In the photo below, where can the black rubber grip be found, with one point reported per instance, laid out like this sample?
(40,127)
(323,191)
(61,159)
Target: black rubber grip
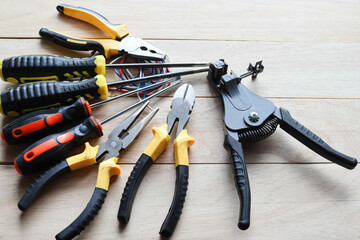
(35,125)
(87,215)
(241,180)
(56,147)
(31,68)
(315,143)
(39,95)
(173,216)
(41,182)
(132,185)
(70,42)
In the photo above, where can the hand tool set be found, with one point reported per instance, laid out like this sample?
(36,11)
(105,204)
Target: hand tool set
(54,99)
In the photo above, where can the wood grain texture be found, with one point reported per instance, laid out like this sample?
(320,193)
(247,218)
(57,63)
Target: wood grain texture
(320,21)
(288,202)
(311,52)
(300,70)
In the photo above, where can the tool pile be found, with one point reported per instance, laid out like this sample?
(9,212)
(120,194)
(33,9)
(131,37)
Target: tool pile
(54,99)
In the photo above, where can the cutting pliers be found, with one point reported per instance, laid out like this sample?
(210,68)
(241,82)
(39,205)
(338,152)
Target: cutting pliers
(119,139)
(122,43)
(249,117)
(181,106)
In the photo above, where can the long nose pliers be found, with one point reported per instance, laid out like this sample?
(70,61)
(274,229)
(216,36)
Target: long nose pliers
(118,140)
(181,106)
(121,43)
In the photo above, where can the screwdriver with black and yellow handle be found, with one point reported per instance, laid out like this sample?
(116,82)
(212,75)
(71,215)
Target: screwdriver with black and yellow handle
(34,125)
(41,95)
(55,147)
(32,68)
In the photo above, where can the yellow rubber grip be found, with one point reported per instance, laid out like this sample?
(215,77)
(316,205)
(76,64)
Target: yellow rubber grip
(114,31)
(84,159)
(181,144)
(100,65)
(107,169)
(159,142)
(103,89)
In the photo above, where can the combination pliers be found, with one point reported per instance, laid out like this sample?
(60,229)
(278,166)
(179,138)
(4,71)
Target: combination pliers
(118,140)
(181,106)
(249,117)
(122,42)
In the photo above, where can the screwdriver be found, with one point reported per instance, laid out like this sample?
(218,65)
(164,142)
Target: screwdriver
(51,149)
(34,125)
(41,95)
(30,68)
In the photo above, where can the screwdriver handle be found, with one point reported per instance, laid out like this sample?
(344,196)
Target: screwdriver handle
(40,95)
(34,125)
(32,68)
(53,148)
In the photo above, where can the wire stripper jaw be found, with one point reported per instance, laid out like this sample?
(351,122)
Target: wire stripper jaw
(181,107)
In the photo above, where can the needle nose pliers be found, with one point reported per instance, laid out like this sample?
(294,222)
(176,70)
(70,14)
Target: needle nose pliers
(249,117)
(118,140)
(121,43)
(181,106)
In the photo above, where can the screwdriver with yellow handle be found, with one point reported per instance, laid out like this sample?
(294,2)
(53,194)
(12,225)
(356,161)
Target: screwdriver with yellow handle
(52,148)
(34,125)
(33,68)
(181,107)
(41,95)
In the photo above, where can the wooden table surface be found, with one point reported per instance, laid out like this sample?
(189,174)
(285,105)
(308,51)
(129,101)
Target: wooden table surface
(311,53)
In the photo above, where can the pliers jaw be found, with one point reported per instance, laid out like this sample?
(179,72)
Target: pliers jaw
(137,47)
(181,107)
(121,137)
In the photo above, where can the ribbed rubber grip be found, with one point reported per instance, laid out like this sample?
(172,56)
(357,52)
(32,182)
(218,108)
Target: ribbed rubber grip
(41,182)
(56,147)
(132,185)
(312,141)
(70,42)
(35,125)
(39,95)
(241,180)
(173,216)
(85,218)
(31,68)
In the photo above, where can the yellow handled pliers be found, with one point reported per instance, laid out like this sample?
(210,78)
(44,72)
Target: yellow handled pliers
(122,44)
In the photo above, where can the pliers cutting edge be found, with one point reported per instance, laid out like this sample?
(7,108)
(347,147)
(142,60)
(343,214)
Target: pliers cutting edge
(119,139)
(122,43)
(181,106)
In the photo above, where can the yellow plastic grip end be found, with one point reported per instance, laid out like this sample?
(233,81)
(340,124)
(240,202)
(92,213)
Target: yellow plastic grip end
(1,73)
(103,89)
(181,144)
(84,159)
(159,142)
(107,169)
(100,65)
(111,47)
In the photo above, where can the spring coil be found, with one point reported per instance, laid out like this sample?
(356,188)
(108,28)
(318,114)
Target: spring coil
(260,133)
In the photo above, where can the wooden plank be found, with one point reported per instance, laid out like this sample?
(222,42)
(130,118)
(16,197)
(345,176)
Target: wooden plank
(293,70)
(333,120)
(320,21)
(289,201)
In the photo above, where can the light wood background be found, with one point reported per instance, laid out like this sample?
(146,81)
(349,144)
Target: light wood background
(311,53)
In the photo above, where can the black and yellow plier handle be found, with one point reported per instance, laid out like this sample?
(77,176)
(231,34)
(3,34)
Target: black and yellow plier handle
(121,43)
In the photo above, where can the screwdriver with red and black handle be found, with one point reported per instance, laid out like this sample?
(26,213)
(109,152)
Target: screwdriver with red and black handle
(41,95)
(31,68)
(34,125)
(55,147)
